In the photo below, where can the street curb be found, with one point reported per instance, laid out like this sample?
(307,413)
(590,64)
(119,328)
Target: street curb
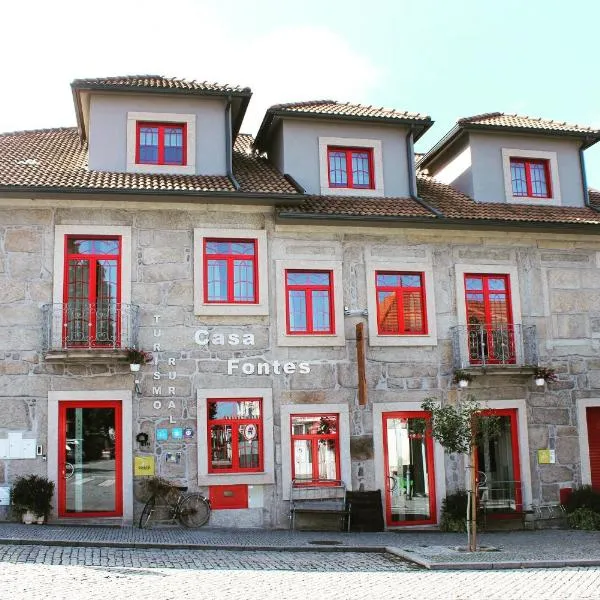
(495,566)
(184,546)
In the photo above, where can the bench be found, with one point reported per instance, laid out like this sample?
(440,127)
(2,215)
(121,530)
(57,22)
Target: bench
(322,497)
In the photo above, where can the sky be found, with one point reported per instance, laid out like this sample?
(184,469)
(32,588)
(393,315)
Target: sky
(445,58)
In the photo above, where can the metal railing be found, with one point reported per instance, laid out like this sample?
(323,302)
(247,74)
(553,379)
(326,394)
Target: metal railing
(483,344)
(501,496)
(84,326)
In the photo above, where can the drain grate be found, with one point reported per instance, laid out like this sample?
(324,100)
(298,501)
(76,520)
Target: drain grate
(325,543)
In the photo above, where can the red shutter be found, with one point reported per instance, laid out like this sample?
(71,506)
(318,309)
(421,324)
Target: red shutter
(593,423)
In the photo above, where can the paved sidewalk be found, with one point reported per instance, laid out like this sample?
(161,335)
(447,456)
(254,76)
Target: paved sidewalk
(430,549)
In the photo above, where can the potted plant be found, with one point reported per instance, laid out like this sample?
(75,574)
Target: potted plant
(462,378)
(543,375)
(31,497)
(137,357)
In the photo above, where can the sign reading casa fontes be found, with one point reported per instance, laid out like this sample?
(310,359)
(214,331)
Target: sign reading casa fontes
(237,366)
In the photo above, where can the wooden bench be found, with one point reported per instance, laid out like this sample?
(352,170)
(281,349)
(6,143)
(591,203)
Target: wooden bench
(322,497)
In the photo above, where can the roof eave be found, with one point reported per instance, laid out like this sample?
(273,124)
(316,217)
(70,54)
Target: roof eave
(439,222)
(146,195)
(420,126)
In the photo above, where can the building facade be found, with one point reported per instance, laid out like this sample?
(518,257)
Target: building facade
(244,266)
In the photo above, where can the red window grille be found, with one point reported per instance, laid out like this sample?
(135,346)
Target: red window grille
(161,144)
(315,447)
(230,271)
(490,331)
(530,178)
(92,292)
(400,303)
(350,168)
(235,435)
(309,302)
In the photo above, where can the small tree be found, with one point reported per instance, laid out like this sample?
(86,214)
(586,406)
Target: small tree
(458,427)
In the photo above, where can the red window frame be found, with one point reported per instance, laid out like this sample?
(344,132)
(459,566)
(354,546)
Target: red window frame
(399,294)
(63,406)
(161,142)
(315,438)
(235,424)
(92,318)
(348,152)
(308,289)
(528,163)
(488,332)
(230,258)
(512,414)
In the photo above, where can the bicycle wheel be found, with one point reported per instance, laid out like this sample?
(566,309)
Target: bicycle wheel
(194,510)
(147,513)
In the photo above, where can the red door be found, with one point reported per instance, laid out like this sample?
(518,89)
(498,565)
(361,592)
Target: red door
(593,424)
(490,330)
(408,468)
(90,482)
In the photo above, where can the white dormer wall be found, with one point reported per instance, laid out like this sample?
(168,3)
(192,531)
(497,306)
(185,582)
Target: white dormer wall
(489,164)
(480,167)
(299,147)
(112,119)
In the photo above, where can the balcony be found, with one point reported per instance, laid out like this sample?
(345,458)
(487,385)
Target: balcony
(492,346)
(93,332)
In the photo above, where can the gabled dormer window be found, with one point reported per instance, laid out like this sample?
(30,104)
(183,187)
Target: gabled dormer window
(530,178)
(161,144)
(350,167)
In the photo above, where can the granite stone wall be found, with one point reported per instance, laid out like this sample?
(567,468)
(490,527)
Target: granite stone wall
(559,293)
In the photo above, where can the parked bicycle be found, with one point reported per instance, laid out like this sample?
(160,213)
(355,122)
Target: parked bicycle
(190,509)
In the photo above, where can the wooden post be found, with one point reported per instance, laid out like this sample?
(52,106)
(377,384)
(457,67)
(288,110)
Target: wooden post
(360,359)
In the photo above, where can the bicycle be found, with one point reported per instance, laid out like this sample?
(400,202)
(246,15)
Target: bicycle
(191,510)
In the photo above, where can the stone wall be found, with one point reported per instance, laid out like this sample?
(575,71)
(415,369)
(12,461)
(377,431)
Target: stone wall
(559,293)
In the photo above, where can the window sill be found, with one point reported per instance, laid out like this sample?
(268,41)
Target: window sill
(358,192)
(402,340)
(87,355)
(236,478)
(534,201)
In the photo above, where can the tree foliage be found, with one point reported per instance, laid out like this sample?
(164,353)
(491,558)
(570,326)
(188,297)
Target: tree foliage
(459,426)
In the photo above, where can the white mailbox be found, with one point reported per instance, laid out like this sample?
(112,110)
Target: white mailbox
(4,495)
(16,446)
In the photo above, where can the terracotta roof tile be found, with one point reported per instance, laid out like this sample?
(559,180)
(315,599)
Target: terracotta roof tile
(55,158)
(498,119)
(358,207)
(156,82)
(456,205)
(450,204)
(331,107)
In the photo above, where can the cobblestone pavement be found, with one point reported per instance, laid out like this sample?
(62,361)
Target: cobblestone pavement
(53,572)
(516,548)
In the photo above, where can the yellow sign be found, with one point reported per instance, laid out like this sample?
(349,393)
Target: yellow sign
(143,466)
(546,456)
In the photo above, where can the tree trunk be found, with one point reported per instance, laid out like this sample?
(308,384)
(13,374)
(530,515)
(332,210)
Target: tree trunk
(473,492)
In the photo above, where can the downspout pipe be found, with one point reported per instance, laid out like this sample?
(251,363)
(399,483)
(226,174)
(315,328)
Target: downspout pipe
(412,175)
(586,191)
(229,146)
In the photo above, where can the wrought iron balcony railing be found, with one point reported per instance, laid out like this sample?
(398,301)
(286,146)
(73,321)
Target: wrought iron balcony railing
(84,326)
(484,344)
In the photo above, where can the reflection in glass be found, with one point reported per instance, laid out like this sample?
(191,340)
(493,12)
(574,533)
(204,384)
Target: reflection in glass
(409,497)
(90,460)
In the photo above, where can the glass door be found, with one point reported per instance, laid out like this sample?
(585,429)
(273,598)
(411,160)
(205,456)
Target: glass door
(498,464)
(409,475)
(89,465)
